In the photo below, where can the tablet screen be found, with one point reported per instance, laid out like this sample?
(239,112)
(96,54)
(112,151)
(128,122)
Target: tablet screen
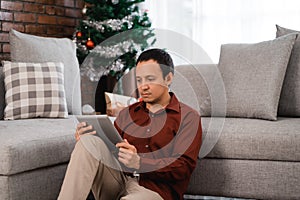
(104,128)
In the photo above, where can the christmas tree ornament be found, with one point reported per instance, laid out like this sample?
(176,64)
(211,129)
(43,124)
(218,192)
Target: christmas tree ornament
(78,34)
(117,50)
(82,47)
(115,1)
(113,24)
(84,9)
(102,29)
(89,44)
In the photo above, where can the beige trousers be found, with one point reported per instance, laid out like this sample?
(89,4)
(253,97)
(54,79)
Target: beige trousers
(92,167)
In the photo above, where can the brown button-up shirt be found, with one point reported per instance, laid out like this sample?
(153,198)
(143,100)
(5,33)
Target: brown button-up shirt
(168,143)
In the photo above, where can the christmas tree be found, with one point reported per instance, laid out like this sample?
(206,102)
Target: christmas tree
(110,35)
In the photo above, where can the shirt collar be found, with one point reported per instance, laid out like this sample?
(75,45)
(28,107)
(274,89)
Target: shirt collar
(173,105)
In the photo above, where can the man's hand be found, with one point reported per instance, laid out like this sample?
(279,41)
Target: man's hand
(128,155)
(82,128)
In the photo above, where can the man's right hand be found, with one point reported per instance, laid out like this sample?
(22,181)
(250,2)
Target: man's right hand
(82,128)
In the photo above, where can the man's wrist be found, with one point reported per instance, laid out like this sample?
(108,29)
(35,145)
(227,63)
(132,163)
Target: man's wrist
(138,165)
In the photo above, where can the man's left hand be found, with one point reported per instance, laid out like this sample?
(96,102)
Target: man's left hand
(128,155)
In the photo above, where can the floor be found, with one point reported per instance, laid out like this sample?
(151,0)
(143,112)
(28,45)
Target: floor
(192,197)
(198,197)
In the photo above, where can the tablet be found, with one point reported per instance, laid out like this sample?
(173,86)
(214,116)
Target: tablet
(104,129)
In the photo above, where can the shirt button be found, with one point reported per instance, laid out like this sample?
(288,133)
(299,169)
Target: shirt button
(148,130)
(147,146)
(152,115)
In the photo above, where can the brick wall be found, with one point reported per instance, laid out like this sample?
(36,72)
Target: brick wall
(53,18)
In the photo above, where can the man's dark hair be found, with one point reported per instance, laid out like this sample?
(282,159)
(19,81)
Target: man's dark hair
(161,57)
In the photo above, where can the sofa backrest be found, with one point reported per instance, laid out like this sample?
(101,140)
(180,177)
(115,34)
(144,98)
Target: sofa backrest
(35,49)
(2,93)
(191,83)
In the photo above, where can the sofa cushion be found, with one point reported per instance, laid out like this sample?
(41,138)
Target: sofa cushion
(35,143)
(34,90)
(200,86)
(44,183)
(289,103)
(2,93)
(246,179)
(255,139)
(253,75)
(29,48)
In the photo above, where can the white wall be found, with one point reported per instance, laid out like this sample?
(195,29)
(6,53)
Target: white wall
(210,23)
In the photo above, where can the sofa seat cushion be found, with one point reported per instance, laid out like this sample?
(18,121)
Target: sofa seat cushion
(34,143)
(256,139)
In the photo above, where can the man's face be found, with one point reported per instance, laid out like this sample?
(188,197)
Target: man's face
(152,86)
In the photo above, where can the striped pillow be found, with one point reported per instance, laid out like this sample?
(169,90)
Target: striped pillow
(34,90)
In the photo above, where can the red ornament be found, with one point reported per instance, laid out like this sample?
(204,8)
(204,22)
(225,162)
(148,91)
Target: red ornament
(89,44)
(79,34)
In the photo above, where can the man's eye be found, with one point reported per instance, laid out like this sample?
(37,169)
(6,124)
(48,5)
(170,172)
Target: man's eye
(151,79)
(138,80)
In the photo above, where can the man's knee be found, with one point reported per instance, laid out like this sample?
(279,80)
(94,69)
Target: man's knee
(98,149)
(93,144)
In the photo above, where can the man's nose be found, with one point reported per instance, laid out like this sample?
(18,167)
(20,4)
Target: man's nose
(144,86)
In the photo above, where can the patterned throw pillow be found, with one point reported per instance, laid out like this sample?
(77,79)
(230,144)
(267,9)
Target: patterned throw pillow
(34,90)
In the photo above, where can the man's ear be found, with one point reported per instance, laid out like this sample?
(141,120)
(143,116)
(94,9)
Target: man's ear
(169,79)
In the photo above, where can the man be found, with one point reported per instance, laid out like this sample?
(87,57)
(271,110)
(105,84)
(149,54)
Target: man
(162,139)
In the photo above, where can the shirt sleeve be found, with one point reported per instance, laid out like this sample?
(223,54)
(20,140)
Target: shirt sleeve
(184,153)
(119,121)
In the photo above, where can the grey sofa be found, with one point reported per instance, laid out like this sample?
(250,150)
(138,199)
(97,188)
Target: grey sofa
(252,158)
(250,153)
(240,156)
